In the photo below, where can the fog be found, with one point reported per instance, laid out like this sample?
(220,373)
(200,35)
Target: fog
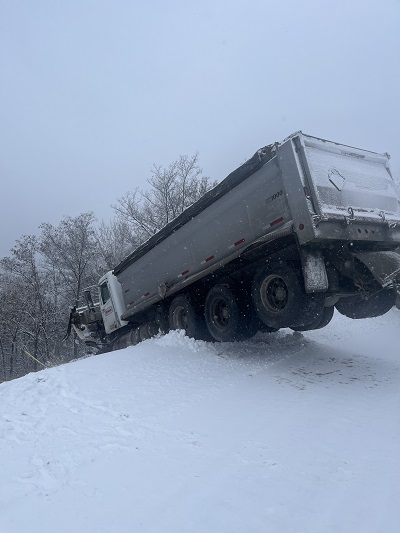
(93,92)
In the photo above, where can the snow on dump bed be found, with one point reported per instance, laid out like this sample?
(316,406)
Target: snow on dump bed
(350,177)
(287,432)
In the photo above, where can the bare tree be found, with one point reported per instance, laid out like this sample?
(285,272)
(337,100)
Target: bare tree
(173,189)
(11,322)
(71,249)
(39,281)
(26,291)
(115,241)
(72,260)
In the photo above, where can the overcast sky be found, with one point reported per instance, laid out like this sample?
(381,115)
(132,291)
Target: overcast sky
(92,93)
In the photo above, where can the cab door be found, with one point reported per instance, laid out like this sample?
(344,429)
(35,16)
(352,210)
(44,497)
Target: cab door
(107,309)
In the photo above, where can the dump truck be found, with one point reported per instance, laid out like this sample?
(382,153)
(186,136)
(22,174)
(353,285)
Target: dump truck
(303,227)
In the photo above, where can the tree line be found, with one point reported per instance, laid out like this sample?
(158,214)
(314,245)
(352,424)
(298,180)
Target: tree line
(46,273)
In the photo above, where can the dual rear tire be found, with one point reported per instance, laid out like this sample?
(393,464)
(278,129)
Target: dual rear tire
(375,305)
(229,314)
(320,322)
(184,313)
(280,299)
(277,299)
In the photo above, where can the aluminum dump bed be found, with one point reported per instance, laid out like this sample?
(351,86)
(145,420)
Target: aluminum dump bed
(315,189)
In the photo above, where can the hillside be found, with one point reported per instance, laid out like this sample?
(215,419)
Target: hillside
(287,432)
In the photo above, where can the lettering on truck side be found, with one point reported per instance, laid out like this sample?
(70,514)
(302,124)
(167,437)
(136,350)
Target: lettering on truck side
(274,197)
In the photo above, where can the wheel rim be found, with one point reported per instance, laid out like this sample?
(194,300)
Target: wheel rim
(274,293)
(180,318)
(220,313)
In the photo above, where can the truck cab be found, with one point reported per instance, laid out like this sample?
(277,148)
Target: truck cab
(111,303)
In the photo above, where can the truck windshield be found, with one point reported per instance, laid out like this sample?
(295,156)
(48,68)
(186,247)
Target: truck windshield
(105,293)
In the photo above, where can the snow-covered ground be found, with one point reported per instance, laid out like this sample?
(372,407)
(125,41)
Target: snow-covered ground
(285,433)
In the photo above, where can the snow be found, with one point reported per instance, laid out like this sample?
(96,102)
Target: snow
(287,432)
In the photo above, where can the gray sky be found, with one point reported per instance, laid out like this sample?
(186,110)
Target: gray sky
(92,92)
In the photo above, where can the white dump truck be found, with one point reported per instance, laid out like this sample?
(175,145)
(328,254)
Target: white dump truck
(304,226)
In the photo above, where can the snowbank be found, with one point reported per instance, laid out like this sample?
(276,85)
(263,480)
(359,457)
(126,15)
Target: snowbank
(283,433)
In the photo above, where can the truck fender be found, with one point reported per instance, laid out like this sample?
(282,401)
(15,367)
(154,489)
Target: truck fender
(384,266)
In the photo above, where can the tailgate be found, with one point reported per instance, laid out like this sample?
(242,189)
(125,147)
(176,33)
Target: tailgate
(347,181)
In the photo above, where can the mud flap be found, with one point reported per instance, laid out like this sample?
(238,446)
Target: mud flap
(384,266)
(314,271)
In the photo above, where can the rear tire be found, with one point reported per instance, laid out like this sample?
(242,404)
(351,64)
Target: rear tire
(375,305)
(162,318)
(320,322)
(229,314)
(267,329)
(280,299)
(183,314)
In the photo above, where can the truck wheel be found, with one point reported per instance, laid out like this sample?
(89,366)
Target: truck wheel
(280,299)
(320,322)
(222,314)
(250,322)
(377,304)
(162,318)
(183,314)
(267,329)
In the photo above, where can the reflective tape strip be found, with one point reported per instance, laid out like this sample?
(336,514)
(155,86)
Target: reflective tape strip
(207,260)
(236,243)
(276,221)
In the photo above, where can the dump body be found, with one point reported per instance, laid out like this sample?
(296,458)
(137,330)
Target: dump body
(317,190)
(304,227)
